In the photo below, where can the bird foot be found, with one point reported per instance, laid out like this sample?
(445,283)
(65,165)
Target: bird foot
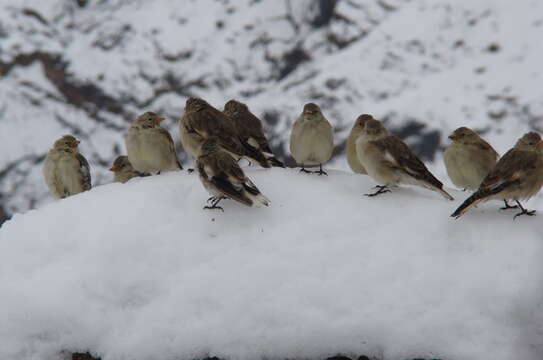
(306,171)
(213,198)
(190,171)
(213,207)
(507,206)
(525,212)
(320,172)
(381,189)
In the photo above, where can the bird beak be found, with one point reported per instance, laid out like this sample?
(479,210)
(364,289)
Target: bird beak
(452,137)
(113,168)
(160,119)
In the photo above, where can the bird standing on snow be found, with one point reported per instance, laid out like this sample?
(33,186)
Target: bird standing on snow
(65,170)
(123,170)
(517,176)
(223,178)
(202,121)
(390,162)
(149,146)
(356,131)
(249,129)
(312,139)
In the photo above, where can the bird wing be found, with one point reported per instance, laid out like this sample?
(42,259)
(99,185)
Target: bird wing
(171,144)
(225,164)
(84,170)
(510,169)
(401,157)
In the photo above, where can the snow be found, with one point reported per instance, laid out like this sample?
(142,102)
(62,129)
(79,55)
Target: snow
(140,271)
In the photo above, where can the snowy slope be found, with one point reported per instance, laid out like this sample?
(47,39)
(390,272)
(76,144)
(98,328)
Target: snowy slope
(140,271)
(424,66)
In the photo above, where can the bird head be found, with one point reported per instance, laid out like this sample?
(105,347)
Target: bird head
(120,163)
(148,120)
(209,146)
(195,104)
(464,135)
(360,122)
(374,129)
(311,111)
(67,142)
(233,107)
(530,142)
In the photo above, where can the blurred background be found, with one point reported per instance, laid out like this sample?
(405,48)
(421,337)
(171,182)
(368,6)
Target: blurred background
(425,67)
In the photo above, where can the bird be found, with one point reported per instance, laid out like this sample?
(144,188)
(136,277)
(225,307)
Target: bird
(222,177)
(250,130)
(65,170)
(468,159)
(149,146)
(202,121)
(352,157)
(123,170)
(312,139)
(517,176)
(390,162)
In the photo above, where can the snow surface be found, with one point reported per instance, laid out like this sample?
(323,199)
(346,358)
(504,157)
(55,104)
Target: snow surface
(140,271)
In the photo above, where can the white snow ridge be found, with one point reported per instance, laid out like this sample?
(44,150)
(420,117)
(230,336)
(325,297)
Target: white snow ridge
(141,271)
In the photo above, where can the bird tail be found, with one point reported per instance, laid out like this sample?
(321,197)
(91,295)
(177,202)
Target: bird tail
(478,197)
(255,155)
(274,162)
(252,192)
(428,181)
(445,194)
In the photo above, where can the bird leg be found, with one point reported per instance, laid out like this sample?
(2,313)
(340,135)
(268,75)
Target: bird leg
(524,211)
(507,206)
(381,189)
(214,201)
(321,171)
(305,171)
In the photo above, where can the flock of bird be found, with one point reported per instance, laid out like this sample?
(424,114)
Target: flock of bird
(217,140)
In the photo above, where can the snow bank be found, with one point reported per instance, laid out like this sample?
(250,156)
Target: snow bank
(140,271)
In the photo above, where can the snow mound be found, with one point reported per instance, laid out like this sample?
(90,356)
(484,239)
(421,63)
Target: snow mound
(140,271)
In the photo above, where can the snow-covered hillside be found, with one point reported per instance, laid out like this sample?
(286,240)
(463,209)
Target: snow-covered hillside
(140,271)
(88,67)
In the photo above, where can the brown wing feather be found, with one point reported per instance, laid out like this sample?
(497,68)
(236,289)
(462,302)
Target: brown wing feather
(509,168)
(84,170)
(407,161)
(224,163)
(168,136)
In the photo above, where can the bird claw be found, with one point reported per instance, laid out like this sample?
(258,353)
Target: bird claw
(321,172)
(507,206)
(190,171)
(525,212)
(306,171)
(213,207)
(211,199)
(381,190)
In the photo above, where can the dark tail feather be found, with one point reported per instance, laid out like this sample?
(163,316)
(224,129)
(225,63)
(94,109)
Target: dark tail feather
(470,202)
(255,155)
(276,163)
(230,191)
(254,194)
(478,197)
